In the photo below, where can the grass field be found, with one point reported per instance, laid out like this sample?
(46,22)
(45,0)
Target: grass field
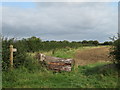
(97,74)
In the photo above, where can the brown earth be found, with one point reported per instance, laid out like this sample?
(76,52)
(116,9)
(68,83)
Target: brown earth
(93,55)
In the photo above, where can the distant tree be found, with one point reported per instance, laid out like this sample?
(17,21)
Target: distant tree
(33,38)
(90,42)
(73,42)
(65,41)
(79,42)
(95,42)
(84,42)
(108,43)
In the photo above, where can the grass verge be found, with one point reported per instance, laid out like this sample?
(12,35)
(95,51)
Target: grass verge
(89,76)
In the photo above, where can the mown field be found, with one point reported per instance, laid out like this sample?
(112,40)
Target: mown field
(93,69)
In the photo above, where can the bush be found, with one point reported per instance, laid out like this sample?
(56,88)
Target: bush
(19,56)
(115,52)
(6,52)
(32,65)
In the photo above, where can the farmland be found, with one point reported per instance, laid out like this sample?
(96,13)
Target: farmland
(59,44)
(93,69)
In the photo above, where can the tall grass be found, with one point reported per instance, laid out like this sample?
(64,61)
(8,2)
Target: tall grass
(89,76)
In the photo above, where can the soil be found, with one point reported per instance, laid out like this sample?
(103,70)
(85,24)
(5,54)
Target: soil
(93,55)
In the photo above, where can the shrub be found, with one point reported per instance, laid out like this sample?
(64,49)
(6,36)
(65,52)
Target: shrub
(6,52)
(19,56)
(115,52)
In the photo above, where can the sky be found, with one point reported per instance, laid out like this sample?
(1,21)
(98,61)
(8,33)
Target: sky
(73,21)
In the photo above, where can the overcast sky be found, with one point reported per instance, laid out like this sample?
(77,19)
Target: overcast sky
(60,21)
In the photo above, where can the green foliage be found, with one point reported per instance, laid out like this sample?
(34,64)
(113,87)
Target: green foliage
(115,52)
(19,56)
(90,43)
(32,65)
(28,73)
(64,53)
(107,43)
(33,44)
(90,76)
(6,52)
(95,43)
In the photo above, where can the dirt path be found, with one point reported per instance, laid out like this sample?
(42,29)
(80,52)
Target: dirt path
(92,55)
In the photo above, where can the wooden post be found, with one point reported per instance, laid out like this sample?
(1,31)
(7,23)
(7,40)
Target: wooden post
(11,56)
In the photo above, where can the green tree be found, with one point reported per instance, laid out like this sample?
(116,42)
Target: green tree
(107,43)
(84,42)
(95,42)
(34,44)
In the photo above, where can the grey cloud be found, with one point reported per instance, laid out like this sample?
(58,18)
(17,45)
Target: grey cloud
(58,21)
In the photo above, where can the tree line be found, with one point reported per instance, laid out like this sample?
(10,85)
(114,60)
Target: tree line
(34,44)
